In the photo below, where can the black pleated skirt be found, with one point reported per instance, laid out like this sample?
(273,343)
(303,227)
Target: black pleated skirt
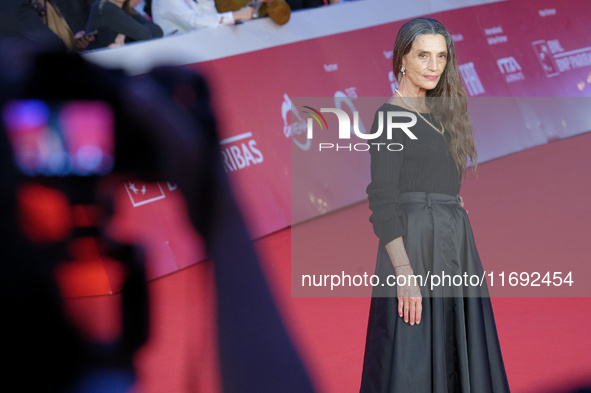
(455,348)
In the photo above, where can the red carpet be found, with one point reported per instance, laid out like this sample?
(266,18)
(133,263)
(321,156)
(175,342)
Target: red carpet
(529,212)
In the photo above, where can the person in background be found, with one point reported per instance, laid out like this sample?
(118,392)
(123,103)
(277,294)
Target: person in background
(186,15)
(146,8)
(75,12)
(116,22)
(21,25)
(277,10)
(52,16)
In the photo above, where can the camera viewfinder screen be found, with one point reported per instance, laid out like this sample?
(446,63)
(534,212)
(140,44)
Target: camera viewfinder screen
(71,138)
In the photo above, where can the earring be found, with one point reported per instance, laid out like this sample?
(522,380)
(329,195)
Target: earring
(402,70)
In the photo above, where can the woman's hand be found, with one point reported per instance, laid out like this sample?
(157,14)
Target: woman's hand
(410,301)
(462,203)
(244,13)
(409,294)
(81,41)
(119,41)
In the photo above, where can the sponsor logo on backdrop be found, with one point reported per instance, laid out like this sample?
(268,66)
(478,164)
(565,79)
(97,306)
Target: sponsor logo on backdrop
(143,193)
(471,80)
(511,69)
(240,152)
(545,58)
(457,37)
(494,35)
(554,59)
(547,12)
(331,67)
(294,126)
(351,92)
(388,54)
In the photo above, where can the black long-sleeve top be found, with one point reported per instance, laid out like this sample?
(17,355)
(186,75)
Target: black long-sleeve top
(111,20)
(424,164)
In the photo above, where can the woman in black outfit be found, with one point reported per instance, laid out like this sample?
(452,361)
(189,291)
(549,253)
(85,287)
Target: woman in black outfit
(117,22)
(422,338)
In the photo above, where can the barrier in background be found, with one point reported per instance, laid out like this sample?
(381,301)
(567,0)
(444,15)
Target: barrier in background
(515,49)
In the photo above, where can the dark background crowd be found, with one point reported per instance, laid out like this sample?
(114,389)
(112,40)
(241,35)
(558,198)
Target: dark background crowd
(80,25)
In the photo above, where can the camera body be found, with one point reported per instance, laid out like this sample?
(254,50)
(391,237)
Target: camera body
(66,127)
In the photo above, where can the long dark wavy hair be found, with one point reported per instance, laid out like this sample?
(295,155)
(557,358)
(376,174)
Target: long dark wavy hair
(452,108)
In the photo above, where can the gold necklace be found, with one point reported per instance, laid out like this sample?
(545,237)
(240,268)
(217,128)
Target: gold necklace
(421,116)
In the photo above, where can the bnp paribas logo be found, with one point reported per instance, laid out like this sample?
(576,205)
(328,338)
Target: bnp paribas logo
(393,122)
